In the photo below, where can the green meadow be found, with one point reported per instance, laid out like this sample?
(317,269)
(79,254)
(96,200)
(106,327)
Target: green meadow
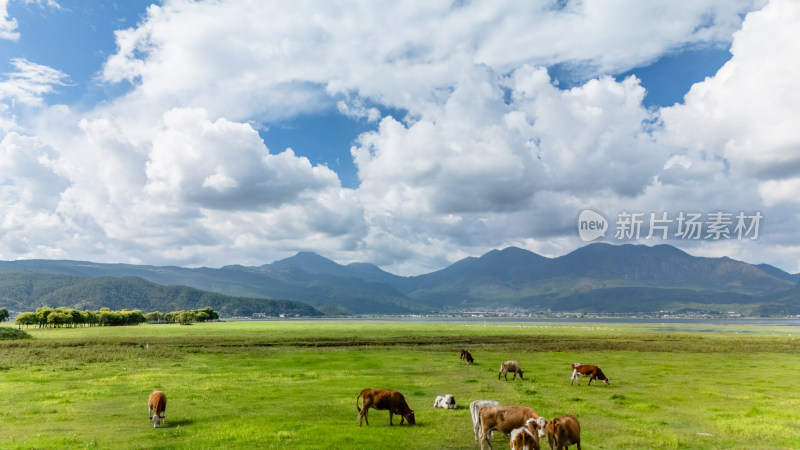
(294,384)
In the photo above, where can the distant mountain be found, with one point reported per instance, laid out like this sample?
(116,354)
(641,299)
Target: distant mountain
(780,303)
(597,277)
(664,275)
(306,277)
(778,273)
(29,291)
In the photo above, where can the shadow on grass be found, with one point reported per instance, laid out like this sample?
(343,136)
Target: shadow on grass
(177,423)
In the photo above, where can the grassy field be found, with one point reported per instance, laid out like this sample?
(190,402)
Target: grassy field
(294,384)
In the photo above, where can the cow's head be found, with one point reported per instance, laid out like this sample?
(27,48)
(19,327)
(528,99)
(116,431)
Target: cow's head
(520,373)
(156,421)
(575,366)
(537,426)
(606,381)
(410,418)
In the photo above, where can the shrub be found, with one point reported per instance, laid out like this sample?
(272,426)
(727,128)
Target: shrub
(7,333)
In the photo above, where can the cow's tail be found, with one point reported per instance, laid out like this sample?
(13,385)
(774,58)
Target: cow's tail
(358,407)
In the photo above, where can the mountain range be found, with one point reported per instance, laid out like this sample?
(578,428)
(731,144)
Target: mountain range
(598,277)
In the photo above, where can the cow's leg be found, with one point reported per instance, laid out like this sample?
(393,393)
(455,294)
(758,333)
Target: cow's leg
(390,419)
(149,413)
(484,438)
(579,443)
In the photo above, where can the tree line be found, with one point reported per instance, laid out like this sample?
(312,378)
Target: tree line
(183,317)
(46,317)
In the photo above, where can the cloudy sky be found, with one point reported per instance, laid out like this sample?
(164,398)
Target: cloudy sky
(407,134)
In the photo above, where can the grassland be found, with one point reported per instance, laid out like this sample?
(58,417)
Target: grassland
(294,384)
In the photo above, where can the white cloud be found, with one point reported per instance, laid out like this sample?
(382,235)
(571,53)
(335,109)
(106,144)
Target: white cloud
(225,165)
(276,59)
(780,191)
(356,109)
(8,26)
(747,113)
(30,82)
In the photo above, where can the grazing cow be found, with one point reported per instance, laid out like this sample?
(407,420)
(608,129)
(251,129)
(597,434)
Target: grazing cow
(593,372)
(563,432)
(446,401)
(509,366)
(466,355)
(157,406)
(527,437)
(505,419)
(384,399)
(474,409)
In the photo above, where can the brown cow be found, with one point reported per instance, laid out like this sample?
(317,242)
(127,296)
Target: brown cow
(505,419)
(510,366)
(593,372)
(384,399)
(157,403)
(466,355)
(563,432)
(527,437)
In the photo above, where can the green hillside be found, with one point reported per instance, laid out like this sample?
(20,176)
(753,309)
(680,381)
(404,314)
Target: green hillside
(29,291)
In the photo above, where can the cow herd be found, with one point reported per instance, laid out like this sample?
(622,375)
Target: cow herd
(524,425)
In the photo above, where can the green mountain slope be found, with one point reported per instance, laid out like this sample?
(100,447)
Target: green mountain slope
(28,291)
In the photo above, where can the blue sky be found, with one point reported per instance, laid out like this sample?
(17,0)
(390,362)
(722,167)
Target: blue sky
(419,134)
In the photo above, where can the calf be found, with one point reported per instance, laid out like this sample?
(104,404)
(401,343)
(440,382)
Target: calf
(506,419)
(593,372)
(474,410)
(509,366)
(563,432)
(446,401)
(384,399)
(527,437)
(157,406)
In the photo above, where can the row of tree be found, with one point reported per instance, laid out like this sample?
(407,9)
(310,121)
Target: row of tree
(183,317)
(46,317)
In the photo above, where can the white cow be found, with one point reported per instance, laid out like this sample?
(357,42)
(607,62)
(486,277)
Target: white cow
(474,410)
(446,401)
